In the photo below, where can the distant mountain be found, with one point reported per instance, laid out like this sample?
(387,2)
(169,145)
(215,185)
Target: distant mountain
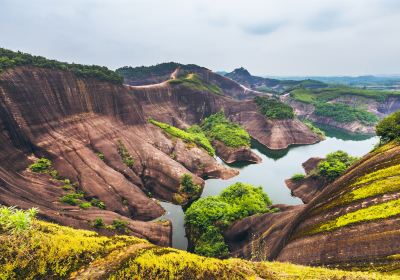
(368,81)
(243,76)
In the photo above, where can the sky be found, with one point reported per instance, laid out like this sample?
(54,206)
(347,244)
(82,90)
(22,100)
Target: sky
(268,37)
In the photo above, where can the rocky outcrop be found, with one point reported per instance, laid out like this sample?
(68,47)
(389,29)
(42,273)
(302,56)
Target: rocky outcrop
(230,154)
(309,187)
(70,120)
(352,223)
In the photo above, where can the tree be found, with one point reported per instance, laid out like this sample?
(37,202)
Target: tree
(388,129)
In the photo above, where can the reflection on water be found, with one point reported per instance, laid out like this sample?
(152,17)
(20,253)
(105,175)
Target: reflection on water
(276,166)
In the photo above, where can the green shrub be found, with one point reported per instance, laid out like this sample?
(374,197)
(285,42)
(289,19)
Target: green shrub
(123,152)
(71,198)
(120,225)
(218,127)
(10,59)
(15,220)
(297,177)
(192,135)
(98,223)
(208,217)
(98,203)
(335,164)
(41,165)
(101,156)
(273,108)
(344,113)
(188,186)
(85,205)
(388,129)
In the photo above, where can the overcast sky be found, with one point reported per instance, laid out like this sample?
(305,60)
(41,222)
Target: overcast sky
(268,37)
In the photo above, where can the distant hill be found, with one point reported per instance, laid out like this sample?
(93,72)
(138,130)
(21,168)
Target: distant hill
(243,76)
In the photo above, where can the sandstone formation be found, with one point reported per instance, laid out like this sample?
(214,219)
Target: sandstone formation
(353,223)
(309,187)
(230,154)
(70,120)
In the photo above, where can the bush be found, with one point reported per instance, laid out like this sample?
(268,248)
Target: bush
(208,217)
(344,113)
(297,177)
(335,164)
(273,108)
(218,127)
(188,186)
(9,59)
(98,223)
(85,205)
(120,225)
(126,157)
(14,220)
(71,198)
(101,156)
(98,203)
(42,165)
(388,129)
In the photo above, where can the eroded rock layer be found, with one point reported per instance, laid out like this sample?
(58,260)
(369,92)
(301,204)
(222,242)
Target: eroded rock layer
(353,223)
(70,120)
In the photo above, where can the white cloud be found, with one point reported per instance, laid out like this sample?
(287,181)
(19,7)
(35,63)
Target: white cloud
(275,37)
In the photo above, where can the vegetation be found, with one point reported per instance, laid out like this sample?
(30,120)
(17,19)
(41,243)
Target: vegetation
(218,127)
(382,181)
(208,217)
(42,165)
(126,157)
(188,186)
(162,69)
(16,221)
(49,251)
(313,128)
(297,177)
(101,156)
(344,113)
(98,203)
(119,225)
(10,59)
(72,198)
(193,135)
(335,164)
(194,82)
(98,223)
(329,93)
(374,212)
(388,129)
(274,109)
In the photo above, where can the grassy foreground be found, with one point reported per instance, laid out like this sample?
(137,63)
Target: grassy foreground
(49,251)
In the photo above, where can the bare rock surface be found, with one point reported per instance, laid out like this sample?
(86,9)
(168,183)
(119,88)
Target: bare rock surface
(70,120)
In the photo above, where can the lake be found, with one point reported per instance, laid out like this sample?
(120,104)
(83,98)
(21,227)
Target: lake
(276,166)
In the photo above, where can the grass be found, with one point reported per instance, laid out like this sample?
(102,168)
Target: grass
(191,136)
(218,127)
(371,213)
(50,251)
(383,181)
(194,82)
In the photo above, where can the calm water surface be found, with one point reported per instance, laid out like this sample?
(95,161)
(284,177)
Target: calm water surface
(276,166)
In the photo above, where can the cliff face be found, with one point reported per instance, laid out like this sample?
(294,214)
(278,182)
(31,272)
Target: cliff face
(353,223)
(69,120)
